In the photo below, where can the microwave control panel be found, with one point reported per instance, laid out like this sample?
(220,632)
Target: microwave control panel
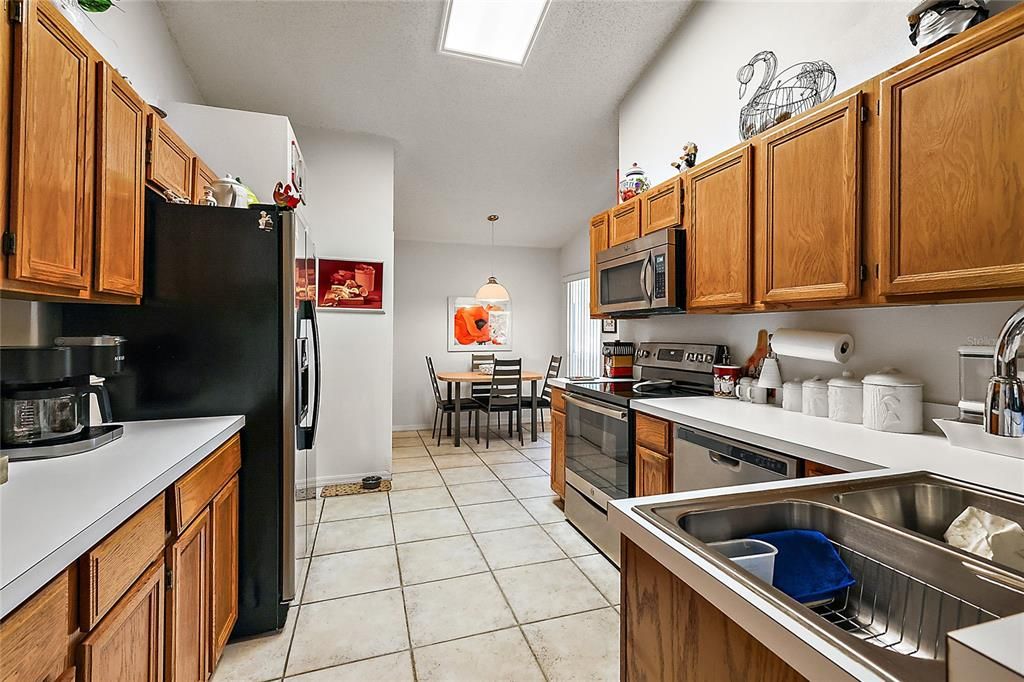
(659,276)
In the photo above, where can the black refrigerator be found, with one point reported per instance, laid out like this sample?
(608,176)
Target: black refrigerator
(227,325)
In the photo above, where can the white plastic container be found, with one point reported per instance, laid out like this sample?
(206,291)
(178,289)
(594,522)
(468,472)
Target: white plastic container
(756,556)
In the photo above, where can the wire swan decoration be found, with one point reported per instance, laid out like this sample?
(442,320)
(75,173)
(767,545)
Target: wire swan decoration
(795,90)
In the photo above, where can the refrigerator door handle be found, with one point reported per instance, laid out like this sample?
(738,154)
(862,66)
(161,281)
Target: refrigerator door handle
(308,433)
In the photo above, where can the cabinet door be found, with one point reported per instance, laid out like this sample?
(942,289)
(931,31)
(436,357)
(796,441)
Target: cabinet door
(662,206)
(812,206)
(188,604)
(6,71)
(718,240)
(223,568)
(558,453)
(34,638)
(598,243)
(52,145)
(170,160)
(120,185)
(952,164)
(202,177)
(624,223)
(654,472)
(128,643)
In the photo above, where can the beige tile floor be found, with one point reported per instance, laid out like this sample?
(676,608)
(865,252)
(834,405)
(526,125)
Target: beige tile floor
(466,571)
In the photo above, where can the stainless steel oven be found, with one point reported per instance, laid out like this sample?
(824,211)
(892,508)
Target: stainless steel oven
(597,467)
(645,275)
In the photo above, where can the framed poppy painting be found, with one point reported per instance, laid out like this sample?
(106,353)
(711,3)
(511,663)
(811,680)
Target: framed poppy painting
(352,285)
(475,325)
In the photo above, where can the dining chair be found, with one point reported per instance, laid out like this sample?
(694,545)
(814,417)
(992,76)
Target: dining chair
(505,394)
(544,399)
(478,391)
(443,406)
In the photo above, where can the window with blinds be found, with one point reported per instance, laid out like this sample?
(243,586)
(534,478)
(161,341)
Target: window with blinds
(584,334)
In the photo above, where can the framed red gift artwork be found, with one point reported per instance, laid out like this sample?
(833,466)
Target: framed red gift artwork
(350,285)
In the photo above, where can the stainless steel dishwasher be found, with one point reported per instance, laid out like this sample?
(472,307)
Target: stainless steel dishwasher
(704,460)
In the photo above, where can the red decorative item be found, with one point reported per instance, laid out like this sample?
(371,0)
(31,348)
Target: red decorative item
(284,197)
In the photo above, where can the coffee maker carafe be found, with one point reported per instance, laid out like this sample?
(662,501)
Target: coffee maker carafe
(44,404)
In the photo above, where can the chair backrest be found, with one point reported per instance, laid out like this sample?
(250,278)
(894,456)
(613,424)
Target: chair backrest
(433,380)
(480,390)
(507,383)
(553,368)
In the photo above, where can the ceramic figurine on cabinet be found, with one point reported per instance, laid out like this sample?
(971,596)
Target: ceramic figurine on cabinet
(688,159)
(284,197)
(634,183)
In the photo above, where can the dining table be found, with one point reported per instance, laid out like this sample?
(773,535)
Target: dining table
(455,381)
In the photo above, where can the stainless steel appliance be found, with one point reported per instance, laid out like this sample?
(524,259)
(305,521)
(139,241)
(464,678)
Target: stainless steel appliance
(227,325)
(703,460)
(45,405)
(599,448)
(644,276)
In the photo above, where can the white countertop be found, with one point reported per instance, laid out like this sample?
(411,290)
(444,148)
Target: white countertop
(852,447)
(862,451)
(53,511)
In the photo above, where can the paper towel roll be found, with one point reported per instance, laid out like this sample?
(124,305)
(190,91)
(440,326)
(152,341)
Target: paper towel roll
(823,346)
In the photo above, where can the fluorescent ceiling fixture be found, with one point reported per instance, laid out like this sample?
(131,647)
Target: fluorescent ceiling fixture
(493,30)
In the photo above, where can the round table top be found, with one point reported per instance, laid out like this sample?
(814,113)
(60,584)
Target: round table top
(480,377)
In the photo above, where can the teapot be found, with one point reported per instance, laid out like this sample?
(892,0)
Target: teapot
(230,192)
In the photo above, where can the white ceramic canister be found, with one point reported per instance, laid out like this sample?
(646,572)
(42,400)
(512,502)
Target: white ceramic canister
(815,397)
(758,394)
(893,402)
(792,395)
(846,399)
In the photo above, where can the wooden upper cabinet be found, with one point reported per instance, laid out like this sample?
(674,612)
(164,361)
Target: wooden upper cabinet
(170,160)
(188,604)
(128,644)
(120,185)
(719,232)
(952,163)
(624,222)
(598,243)
(202,177)
(52,146)
(558,453)
(811,244)
(662,206)
(223,567)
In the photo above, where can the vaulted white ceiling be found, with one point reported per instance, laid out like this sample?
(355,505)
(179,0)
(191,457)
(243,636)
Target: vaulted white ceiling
(537,145)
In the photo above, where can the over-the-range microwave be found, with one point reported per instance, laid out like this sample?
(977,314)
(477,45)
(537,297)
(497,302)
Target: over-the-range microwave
(644,276)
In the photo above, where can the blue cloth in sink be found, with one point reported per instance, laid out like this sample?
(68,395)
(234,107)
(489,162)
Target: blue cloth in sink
(808,567)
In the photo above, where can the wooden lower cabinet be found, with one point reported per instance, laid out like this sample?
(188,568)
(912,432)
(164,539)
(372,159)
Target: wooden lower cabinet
(672,634)
(558,452)
(34,639)
(818,469)
(653,472)
(223,568)
(188,604)
(128,643)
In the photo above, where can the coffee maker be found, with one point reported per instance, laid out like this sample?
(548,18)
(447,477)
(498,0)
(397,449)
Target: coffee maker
(45,394)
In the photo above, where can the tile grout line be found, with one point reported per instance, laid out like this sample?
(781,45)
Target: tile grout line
(401,587)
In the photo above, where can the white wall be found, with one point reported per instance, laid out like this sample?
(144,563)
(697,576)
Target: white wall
(427,273)
(136,41)
(351,191)
(690,91)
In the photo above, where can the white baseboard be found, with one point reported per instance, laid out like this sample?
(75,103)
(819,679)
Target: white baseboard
(409,427)
(321,481)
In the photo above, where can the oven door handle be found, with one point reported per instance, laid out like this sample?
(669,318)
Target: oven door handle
(589,406)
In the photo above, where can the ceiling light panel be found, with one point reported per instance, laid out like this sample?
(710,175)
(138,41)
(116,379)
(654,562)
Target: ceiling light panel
(493,30)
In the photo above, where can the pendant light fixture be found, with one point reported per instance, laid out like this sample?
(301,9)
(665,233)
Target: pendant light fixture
(491,291)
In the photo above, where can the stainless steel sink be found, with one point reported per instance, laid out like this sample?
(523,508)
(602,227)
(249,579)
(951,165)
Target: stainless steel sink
(927,507)
(911,588)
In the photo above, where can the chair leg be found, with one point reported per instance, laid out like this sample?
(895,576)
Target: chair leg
(477,426)
(488,435)
(520,420)
(433,425)
(510,423)
(540,411)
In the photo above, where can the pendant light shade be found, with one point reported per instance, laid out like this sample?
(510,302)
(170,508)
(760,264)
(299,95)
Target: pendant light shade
(492,291)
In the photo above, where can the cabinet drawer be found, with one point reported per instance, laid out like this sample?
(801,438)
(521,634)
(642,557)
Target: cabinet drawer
(558,399)
(654,434)
(34,639)
(662,206)
(109,569)
(193,491)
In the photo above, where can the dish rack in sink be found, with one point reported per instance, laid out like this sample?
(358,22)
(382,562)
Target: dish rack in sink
(895,611)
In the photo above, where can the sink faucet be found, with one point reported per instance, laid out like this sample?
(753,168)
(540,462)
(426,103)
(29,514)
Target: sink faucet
(1004,400)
